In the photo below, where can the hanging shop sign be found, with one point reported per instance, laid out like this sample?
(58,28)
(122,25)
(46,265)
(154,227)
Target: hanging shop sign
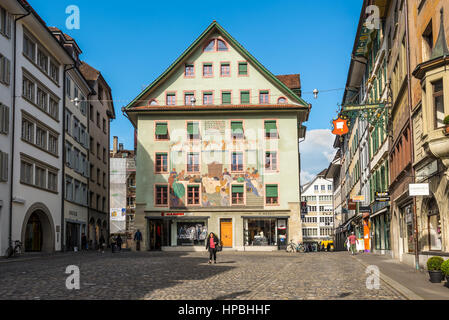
(303,207)
(365,211)
(358,198)
(352,205)
(382,196)
(418,189)
(340,126)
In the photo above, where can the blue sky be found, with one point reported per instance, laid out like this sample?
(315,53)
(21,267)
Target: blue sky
(134,43)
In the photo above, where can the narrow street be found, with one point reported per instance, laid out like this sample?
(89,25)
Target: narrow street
(174,276)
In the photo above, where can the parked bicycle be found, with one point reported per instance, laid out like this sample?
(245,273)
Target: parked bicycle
(16,250)
(293,247)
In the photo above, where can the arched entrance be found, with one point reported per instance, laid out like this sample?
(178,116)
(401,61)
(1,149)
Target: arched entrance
(38,232)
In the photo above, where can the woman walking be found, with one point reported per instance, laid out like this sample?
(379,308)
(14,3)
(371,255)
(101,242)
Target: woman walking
(212,245)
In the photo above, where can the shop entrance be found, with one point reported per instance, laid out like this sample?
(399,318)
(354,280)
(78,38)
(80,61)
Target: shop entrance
(226,232)
(155,234)
(72,236)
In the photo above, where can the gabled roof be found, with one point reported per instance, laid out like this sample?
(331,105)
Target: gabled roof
(212,27)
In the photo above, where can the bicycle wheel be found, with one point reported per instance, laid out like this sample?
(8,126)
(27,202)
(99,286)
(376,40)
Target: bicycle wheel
(290,249)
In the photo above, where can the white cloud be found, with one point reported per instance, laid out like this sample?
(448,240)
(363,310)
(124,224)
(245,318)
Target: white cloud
(316,153)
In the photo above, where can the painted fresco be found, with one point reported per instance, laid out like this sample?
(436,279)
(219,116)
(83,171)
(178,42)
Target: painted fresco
(215,180)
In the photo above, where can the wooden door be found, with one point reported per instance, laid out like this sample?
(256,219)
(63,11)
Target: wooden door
(226,232)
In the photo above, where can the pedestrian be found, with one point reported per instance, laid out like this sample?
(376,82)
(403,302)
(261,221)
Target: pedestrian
(102,243)
(83,242)
(212,245)
(119,242)
(352,239)
(138,238)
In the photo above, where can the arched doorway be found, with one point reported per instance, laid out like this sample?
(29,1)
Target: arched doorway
(38,231)
(33,234)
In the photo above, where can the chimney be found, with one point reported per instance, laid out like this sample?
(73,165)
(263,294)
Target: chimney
(120,147)
(114,145)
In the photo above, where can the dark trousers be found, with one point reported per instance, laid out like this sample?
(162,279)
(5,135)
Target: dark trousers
(138,245)
(213,253)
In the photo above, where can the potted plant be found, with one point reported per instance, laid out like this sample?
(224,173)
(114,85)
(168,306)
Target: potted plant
(445,269)
(446,123)
(434,268)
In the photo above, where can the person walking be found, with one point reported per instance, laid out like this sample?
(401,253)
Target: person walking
(137,239)
(118,242)
(352,239)
(83,242)
(212,245)
(102,243)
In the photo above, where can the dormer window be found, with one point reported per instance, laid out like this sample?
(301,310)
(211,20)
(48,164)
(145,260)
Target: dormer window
(210,46)
(216,45)
(221,45)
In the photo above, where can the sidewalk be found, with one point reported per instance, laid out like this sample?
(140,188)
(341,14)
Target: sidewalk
(415,285)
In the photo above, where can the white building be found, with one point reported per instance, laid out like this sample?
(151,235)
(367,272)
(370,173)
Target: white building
(317,224)
(34,139)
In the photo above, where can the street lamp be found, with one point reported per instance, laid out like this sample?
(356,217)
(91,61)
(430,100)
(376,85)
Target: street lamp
(315,93)
(76,101)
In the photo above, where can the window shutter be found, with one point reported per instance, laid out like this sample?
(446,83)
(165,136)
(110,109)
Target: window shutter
(244,97)
(272,190)
(243,68)
(237,127)
(161,129)
(2,118)
(226,97)
(270,125)
(3,166)
(5,119)
(8,25)
(237,189)
(7,71)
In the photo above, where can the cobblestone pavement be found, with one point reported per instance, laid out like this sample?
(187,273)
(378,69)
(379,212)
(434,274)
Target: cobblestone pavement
(187,275)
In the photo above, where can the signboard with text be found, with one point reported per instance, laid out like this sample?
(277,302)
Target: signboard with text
(418,189)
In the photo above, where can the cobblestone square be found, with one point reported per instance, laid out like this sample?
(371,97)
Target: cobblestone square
(187,275)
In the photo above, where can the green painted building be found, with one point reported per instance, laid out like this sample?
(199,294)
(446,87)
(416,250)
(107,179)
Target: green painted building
(217,150)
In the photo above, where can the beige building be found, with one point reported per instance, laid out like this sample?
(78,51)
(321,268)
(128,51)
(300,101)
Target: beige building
(430,102)
(99,114)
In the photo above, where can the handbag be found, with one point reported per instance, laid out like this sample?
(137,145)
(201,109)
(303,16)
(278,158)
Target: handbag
(219,247)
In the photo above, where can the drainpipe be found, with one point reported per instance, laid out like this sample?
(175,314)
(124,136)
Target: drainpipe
(13,126)
(412,151)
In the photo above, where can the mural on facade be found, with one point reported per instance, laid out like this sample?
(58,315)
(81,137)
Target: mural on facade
(216,186)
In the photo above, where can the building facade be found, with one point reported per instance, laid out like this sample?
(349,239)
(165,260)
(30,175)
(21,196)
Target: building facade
(217,150)
(100,112)
(318,223)
(401,65)
(43,103)
(32,131)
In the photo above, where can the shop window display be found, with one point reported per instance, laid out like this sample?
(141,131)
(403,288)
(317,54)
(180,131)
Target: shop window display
(260,232)
(191,233)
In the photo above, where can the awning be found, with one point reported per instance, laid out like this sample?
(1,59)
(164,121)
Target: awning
(265,217)
(237,127)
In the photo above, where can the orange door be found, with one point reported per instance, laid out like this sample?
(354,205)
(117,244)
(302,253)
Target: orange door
(226,233)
